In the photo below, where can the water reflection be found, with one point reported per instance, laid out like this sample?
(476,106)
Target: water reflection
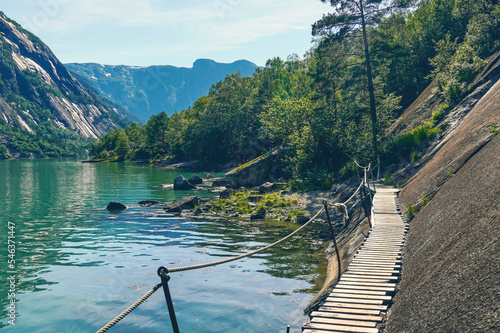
(79,265)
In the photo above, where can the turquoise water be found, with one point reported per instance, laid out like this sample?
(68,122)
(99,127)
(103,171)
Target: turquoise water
(77,266)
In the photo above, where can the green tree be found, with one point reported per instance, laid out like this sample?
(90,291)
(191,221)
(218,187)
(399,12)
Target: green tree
(349,18)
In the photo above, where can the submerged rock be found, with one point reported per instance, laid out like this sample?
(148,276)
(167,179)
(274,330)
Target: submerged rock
(115,206)
(148,203)
(178,206)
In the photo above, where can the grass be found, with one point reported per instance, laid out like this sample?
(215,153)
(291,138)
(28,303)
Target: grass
(410,211)
(239,202)
(494,129)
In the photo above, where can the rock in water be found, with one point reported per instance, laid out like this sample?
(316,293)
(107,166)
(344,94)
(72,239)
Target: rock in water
(185,203)
(148,203)
(181,183)
(195,180)
(115,206)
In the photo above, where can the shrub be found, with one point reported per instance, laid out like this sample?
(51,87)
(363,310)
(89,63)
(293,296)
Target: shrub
(410,211)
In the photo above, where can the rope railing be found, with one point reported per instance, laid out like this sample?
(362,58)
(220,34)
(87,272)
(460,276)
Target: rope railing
(163,271)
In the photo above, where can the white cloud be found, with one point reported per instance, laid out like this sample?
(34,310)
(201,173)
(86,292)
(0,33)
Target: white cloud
(157,27)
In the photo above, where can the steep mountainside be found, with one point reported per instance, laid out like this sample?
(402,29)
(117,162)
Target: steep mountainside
(43,109)
(149,90)
(451,265)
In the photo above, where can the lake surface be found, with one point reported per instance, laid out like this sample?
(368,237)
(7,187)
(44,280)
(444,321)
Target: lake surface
(77,265)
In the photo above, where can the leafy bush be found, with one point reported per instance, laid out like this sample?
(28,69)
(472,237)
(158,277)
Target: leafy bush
(407,143)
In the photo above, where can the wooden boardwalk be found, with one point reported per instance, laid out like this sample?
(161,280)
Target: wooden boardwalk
(361,297)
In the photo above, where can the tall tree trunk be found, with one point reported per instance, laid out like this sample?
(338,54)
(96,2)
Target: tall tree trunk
(371,90)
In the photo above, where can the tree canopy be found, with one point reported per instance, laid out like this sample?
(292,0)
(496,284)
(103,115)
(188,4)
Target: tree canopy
(324,106)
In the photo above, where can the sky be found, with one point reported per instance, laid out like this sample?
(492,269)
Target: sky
(166,32)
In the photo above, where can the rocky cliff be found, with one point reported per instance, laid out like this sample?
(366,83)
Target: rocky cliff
(39,99)
(149,90)
(451,265)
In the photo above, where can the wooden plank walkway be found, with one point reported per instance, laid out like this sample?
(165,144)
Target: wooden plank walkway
(361,297)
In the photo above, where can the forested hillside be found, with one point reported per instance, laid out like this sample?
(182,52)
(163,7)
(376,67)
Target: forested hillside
(337,103)
(44,111)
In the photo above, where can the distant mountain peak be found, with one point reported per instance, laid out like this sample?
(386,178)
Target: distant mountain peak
(145,91)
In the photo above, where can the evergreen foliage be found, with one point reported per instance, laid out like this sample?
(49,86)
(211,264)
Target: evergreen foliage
(321,106)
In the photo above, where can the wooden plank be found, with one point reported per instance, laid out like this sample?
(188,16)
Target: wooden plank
(347,322)
(347,286)
(316,327)
(373,269)
(345,316)
(376,261)
(349,310)
(356,306)
(380,268)
(354,300)
(370,262)
(378,257)
(374,284)
(357,276)
(361,296)
(351,279)
(372,272)
(362,292)
(378,249)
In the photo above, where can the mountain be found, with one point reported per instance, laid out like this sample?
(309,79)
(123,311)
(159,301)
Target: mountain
(149,90)
(44,110)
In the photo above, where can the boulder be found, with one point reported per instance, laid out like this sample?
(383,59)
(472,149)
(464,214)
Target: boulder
(226,193)
(115,206)
(178,206)
(195,180)
(181,183)
(220,183)
(208,176)
(302,219)
(259,215)
(257,171)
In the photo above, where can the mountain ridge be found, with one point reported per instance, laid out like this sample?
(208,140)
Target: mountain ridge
(44,110)
(148,90)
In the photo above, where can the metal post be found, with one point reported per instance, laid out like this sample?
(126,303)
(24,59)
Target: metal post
(373,180)
(288,329)
(162,272)
(365,206)
(378,167)
(333,238)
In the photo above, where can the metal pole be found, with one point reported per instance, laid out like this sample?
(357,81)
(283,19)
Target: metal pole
(288,329)
(162,272)
(333,238)
(365,206)
(373,180)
